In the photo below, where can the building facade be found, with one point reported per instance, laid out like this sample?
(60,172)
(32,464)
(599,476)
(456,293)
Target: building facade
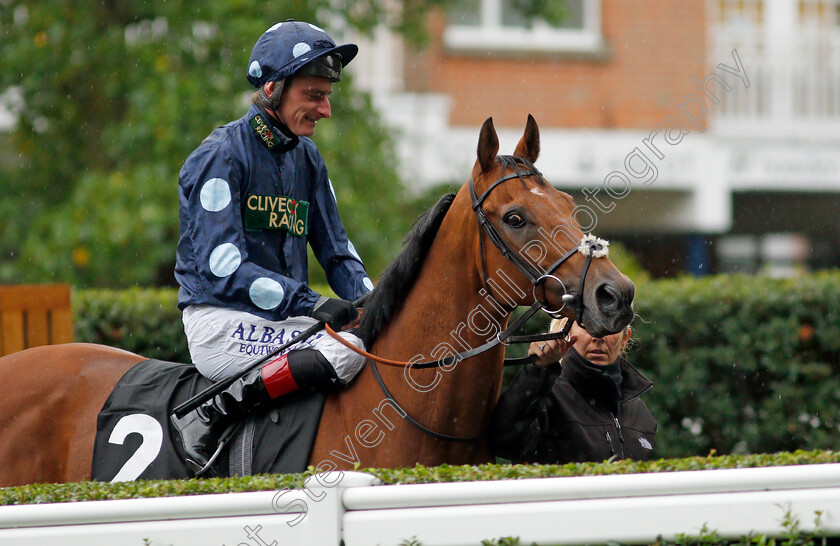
(703,135)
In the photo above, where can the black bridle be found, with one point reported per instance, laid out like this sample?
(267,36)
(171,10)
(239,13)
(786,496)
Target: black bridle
(486,226)
(589,246)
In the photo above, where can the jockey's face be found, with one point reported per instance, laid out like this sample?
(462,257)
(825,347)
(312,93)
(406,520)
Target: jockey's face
(304,101)
(599,350)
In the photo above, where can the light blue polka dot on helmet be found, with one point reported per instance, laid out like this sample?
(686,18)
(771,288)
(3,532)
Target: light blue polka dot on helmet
(287,47)
(301,48)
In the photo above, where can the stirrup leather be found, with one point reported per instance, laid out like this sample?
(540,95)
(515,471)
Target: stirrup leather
(224,440)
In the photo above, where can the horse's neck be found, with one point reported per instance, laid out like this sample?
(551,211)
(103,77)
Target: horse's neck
(446,313)
(434,320)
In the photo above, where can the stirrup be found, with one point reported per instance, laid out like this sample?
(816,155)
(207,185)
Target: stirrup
(224,440)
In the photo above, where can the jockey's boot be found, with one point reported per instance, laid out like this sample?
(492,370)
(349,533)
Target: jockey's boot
(201,429)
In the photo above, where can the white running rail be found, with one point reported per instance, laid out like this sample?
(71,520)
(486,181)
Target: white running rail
(348,506)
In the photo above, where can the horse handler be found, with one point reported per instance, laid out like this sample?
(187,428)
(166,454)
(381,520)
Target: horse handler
(580,401)
(251,196)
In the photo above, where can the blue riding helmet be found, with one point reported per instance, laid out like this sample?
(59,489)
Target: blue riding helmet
(287,47)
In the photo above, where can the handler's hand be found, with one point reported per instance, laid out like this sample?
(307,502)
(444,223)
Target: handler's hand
(551,351)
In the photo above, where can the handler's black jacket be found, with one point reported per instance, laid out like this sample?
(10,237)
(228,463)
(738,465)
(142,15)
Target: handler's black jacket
(573,413)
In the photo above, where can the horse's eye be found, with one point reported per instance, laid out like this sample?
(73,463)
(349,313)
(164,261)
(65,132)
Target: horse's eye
(514,220)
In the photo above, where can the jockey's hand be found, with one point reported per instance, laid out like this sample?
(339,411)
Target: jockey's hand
(551,351)
(335,312)
(356,321)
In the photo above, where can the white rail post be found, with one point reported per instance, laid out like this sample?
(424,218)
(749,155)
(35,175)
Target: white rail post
(326,490)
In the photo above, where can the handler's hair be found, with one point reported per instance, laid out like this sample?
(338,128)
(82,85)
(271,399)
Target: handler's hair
(261,98)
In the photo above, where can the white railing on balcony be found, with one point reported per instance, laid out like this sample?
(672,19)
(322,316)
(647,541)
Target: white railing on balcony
(792,62)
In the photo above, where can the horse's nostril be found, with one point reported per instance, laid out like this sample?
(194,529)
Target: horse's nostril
(607,297)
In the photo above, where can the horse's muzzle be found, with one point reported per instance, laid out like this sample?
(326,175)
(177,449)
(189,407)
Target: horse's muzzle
(611,309)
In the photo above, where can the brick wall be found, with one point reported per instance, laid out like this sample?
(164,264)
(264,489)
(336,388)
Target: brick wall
(653,47)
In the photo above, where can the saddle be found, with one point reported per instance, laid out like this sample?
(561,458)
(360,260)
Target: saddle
(134,439)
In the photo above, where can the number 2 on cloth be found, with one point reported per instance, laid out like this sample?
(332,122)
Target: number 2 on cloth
(152,433)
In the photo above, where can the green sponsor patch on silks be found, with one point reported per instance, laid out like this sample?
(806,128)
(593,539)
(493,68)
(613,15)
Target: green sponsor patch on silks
(262,129)
(276,212)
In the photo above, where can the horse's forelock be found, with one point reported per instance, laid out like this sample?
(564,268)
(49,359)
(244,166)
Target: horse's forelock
(396,281)
(521,165)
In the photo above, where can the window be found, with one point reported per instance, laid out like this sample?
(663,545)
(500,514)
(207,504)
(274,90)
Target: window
(740,12)
(791,49)
(497,25)
(819,13)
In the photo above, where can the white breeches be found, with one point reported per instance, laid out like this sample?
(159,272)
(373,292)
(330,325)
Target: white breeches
(223,342)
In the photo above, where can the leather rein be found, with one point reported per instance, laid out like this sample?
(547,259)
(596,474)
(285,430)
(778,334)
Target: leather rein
(589,246)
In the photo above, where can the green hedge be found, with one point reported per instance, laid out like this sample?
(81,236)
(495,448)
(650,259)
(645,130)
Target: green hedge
(740,364)
(81,491)
(143,321)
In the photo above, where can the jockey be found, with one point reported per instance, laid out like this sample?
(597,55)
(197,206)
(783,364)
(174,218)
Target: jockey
(252,195)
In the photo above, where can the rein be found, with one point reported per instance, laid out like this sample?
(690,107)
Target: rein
(503,338)
(451,360)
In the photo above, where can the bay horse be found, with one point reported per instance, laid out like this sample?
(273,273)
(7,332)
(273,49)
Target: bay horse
(453,287)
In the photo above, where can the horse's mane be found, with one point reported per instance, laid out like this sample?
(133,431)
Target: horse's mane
(390,293)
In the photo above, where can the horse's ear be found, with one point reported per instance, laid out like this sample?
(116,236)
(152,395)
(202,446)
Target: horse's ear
(488,146)
(529,145)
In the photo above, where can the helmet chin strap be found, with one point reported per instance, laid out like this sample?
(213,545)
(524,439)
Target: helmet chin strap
(273,101)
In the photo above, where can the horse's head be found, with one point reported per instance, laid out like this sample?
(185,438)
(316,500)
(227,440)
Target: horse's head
(538,238)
